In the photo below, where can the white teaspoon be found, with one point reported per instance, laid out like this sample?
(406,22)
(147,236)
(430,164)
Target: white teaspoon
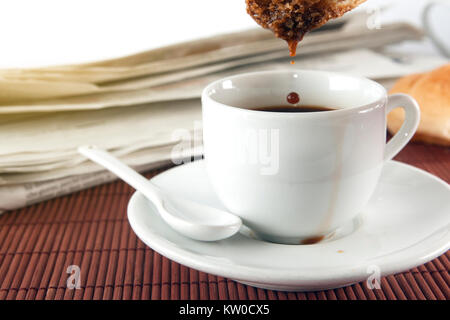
(191,219)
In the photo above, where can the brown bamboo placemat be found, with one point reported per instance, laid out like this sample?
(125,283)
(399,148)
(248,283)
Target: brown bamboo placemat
(90,229)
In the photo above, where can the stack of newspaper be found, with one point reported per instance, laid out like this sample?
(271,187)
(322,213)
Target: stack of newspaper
(145,108)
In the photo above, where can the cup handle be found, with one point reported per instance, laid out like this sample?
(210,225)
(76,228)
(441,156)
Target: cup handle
(409,126)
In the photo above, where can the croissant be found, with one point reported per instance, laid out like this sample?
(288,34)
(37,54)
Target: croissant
(432,92)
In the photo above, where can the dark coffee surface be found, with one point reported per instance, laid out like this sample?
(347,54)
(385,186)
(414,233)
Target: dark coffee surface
(294,109)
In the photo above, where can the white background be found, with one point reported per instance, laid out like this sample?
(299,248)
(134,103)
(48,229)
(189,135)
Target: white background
(49,32)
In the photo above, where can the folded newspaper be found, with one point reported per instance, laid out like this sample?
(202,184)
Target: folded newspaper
(146,109)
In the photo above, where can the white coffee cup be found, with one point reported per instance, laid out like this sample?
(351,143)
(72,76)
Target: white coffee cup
(296,176)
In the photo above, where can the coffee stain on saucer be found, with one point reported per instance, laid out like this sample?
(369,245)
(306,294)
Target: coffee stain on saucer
(312,240)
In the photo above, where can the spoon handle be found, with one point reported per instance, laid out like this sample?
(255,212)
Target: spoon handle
(123,171)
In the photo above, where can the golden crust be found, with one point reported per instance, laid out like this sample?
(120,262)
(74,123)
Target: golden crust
(432,91)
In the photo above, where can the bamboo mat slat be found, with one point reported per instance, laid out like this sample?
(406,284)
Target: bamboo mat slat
(90,229)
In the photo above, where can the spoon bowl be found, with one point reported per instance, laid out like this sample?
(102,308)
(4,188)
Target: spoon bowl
(191,219)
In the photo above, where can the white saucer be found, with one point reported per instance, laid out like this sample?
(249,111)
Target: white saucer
(406,224)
